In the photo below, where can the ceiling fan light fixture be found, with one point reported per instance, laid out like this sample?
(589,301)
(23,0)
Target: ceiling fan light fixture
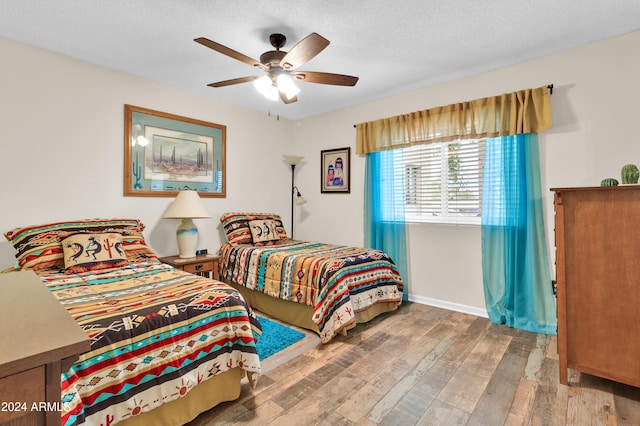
(272,93)
(265,86)
(261,84)
(286,86)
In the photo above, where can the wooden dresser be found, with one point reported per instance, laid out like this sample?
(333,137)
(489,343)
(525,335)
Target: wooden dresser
(598,281)
(38,340)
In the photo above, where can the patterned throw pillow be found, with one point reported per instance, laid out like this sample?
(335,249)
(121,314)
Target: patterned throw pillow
(85,252)
(282,233)
(263,230)
(132,241)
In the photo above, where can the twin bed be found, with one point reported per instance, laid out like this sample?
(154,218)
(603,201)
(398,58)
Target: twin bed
(321,287)
(167,345)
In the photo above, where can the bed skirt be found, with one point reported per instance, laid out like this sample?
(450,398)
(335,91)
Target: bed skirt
(299,314)
(221,388)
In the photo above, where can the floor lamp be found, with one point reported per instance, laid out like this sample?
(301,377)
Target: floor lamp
(296,197)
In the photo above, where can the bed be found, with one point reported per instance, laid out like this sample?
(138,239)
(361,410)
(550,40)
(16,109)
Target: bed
(166,345)
(326,288)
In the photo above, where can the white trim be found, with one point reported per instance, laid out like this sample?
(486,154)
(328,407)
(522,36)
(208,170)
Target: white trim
(472,310)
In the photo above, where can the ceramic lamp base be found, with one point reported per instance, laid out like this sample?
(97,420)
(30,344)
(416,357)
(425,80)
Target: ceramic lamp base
(187,237)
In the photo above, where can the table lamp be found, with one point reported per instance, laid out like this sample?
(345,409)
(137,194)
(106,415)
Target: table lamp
(187,206)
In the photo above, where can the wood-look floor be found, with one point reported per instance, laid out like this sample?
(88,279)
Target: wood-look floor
(425,365)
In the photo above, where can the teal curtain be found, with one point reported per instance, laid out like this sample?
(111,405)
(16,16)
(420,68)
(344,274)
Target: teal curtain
(384,223)
(515,265)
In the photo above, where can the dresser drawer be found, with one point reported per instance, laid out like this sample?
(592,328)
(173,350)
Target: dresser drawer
(18,393)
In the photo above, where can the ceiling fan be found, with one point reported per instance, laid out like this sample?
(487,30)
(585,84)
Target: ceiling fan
(281,66)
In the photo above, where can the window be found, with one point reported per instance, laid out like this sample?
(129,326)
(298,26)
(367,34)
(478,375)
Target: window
(442,181)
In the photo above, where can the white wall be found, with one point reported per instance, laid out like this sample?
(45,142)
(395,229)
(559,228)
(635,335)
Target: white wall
(62,148)
(62,151)
(595,109)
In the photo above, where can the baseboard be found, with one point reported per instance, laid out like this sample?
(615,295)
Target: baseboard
(471,310)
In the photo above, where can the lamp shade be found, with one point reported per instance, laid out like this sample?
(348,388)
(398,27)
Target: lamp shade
(286,86)
(265,86)
(187,205)
(292,160)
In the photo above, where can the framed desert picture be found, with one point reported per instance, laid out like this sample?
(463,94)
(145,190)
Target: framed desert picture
(166,153)
(335,170)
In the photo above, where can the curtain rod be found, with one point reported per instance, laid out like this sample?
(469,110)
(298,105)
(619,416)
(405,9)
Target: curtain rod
(549,86)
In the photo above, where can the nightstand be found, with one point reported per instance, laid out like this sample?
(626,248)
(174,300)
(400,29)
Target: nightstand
(203,264)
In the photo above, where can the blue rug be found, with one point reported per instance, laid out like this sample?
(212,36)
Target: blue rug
(275,337)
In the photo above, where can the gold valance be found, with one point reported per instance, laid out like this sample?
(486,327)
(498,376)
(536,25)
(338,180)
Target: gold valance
(524,111)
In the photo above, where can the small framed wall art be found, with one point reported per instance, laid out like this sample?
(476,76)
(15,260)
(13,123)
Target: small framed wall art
(166,153)
(335,170)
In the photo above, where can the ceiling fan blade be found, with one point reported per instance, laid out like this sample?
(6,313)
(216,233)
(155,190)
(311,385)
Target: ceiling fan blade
(288,101)
(325,78)
(304,51)
(234,81)
(229,52)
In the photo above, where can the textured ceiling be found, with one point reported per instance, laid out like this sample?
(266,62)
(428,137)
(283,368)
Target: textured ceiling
(393,46)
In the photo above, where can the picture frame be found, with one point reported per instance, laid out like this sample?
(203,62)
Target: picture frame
(335,171)
(167,153)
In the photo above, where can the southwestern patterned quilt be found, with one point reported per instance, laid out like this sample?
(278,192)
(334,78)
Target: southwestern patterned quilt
(155,332)
(337,281)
